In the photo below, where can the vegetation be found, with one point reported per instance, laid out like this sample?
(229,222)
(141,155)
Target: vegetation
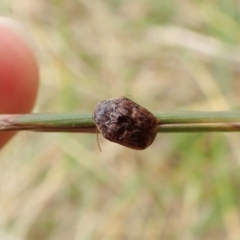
(164,55)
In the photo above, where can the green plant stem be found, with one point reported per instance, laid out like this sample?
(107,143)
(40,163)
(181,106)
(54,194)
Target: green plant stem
(82,122)
(48,122)
(198,117)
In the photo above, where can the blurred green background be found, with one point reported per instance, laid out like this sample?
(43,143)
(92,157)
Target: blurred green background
(164,55)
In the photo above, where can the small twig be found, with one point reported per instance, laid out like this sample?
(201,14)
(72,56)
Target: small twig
(72,122)
(82,122)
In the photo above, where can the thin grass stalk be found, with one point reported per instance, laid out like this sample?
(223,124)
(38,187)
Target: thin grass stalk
(181,121)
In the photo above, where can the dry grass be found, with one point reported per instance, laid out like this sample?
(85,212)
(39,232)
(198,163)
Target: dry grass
(165,55)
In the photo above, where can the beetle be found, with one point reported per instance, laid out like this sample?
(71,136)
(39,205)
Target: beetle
(123,121)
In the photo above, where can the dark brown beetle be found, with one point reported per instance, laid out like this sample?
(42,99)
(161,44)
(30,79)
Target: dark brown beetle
(123,121)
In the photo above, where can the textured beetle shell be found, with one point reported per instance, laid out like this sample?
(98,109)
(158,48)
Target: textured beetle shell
(125,122)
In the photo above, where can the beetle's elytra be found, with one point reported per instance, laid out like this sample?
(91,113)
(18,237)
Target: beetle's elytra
(123,121)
